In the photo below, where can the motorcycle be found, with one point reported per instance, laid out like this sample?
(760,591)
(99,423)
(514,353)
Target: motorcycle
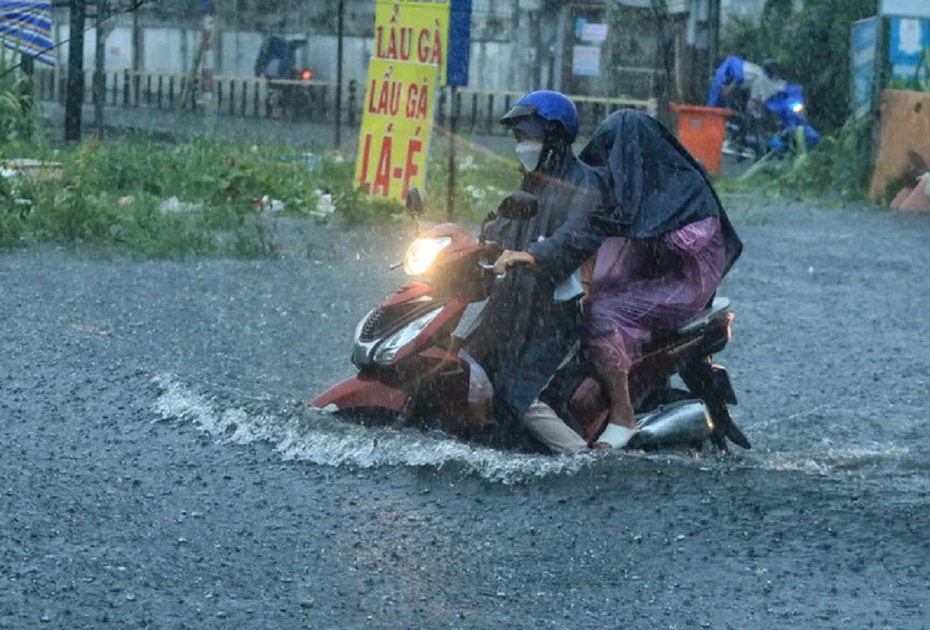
(413,365)
(290,92)
(775,126)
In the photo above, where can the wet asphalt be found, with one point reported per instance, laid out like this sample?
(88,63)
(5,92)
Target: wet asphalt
(159,467)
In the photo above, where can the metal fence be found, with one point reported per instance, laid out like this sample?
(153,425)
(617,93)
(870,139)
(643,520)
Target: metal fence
(475,111)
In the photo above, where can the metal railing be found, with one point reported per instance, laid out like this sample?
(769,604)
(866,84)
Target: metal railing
(475,111)
(478,111)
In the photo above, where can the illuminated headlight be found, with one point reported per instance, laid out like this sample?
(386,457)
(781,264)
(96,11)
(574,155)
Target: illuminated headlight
(797,108)
(422,252)
(389,348)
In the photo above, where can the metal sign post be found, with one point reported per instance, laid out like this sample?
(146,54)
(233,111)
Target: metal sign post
(340,37)
(75,89)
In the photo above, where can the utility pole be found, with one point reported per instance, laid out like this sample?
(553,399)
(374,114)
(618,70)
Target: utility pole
(205,94)
(136,37)
(339,39)
(100,82)
(713,48)
(75,90)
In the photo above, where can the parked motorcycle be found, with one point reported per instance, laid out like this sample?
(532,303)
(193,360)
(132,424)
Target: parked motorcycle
(413,365)
(755,129)
(290,93)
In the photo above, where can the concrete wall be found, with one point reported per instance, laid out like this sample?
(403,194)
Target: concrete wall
(749,9)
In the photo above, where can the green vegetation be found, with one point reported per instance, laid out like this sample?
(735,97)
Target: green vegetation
(810,47)
(17,116)
(204,197)
(160,200)
(483,178)
(837,169)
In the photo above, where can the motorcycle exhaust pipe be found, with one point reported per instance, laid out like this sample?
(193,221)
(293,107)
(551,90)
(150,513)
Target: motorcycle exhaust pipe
(683,423)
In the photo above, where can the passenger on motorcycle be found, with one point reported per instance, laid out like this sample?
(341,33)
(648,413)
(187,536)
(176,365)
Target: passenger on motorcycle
(663,244)
(532,320)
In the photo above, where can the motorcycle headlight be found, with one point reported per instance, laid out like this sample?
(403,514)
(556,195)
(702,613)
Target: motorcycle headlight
(797,107)
(392,345)
(422,252)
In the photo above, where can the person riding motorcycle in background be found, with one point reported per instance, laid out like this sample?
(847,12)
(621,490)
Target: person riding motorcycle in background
(531,322)
(275,58)
(758,81)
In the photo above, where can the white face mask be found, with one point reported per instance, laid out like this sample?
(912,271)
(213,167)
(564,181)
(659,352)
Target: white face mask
(529,151)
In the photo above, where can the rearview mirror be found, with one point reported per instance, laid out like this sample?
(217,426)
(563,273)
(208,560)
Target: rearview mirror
(414,203)
(519,205)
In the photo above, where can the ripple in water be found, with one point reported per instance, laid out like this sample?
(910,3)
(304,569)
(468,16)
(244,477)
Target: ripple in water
(325,441)
(879,465)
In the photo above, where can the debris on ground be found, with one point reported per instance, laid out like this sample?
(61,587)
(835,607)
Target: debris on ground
(324,205)
(176,205)
(468,164)
(914,198)
(267,204)
(33,169)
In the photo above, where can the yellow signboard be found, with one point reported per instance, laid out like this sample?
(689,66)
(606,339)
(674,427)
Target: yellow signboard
(413,31)
(396,127)
(410,57)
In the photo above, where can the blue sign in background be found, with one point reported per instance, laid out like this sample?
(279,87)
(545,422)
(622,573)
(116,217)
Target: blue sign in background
(909,37)
(864,56)
(459,43)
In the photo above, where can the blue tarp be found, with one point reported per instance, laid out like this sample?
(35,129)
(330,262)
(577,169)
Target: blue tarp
(26,27)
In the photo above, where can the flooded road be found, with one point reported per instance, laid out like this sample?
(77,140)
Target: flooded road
(159,466)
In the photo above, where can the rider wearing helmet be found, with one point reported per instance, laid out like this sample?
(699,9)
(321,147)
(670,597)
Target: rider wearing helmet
(545,124)
(537,312)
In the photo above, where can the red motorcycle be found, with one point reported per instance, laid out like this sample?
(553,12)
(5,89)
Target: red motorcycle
(413,366)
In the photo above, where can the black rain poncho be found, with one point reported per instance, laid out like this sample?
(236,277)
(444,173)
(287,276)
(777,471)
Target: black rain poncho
(654,186)
(525,333)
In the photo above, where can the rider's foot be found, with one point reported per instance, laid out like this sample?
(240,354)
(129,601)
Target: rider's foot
(621,426)
(614,436)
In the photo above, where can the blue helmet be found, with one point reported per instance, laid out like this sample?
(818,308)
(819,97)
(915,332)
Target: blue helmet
(548,105)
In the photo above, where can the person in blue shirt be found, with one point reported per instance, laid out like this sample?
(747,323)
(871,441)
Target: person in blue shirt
(759,81)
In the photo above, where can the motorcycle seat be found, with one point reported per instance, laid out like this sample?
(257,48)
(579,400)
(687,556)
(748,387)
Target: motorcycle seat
(717,310)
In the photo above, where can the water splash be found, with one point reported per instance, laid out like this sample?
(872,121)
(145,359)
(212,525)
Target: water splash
(878,464)
(232,417)
(322,440)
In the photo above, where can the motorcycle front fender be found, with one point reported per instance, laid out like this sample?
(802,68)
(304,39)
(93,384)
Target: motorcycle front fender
(362,392)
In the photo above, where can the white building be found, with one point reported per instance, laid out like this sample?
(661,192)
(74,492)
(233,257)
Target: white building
(516,44)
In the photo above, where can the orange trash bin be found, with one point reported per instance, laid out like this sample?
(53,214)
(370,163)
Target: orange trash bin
(701,130)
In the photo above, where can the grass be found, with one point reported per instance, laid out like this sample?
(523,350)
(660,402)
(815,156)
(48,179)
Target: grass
(483,178)
(838,169)
(198,197)
(170,200)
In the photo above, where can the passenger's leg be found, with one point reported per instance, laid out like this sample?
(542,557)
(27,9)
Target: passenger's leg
(617,385)
(610,362)
(547,427)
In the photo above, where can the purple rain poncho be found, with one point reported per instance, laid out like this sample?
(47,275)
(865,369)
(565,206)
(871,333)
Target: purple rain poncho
(639,286)
(663,240)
